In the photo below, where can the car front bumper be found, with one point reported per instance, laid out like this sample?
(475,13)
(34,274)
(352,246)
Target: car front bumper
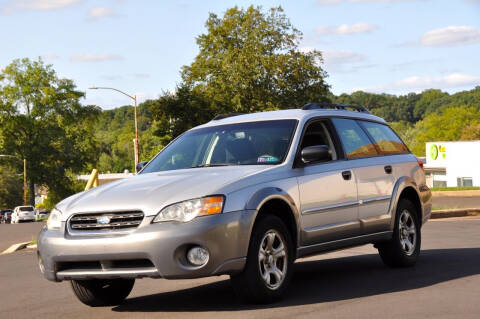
(151,250)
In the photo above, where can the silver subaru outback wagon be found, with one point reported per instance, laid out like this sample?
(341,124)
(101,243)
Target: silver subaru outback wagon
(243,195)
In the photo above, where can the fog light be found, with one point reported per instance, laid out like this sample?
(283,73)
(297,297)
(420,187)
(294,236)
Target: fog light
(198,256)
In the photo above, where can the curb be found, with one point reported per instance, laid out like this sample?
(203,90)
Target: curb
(460,212)
(15,248)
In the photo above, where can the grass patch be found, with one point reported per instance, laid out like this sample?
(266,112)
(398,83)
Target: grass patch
(442,207)
(462,188)
(33,242)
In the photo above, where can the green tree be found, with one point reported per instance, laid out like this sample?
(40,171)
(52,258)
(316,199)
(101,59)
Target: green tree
(11,188)
(471,132)
(445,126)
(42,120)
(429,102)
(249,61)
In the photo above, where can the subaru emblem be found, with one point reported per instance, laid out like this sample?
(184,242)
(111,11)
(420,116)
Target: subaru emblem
(103,220)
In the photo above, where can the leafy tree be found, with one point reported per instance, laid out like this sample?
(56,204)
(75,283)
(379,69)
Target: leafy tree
(446,126)
(249,61)
(42,120)
(471,132)
(11,188)
(430,100)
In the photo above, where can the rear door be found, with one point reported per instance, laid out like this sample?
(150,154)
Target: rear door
(328,193)
(373,173)
(376,197)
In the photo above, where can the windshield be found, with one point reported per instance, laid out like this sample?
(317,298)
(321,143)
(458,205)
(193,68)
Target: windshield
(26,209)
(253,143)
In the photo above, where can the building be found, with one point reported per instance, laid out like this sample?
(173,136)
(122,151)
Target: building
(451,164)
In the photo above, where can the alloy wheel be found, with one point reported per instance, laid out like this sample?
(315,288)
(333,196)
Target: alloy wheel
(272,259)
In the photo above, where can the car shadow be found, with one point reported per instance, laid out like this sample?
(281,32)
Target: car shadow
(323,281)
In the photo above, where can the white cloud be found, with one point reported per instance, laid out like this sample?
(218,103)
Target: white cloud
(330,2)
(141,75)
(447,81)
(37,5)
(420,83)
(451,36)
(50,57)
(100,12)
(338,57)
(346,29)
(86,57)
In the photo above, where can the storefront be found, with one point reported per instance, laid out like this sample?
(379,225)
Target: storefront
(451,164)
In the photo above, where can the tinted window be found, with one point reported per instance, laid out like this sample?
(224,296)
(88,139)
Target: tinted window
(252,143)
(26,209)
(355,142)
(385,139)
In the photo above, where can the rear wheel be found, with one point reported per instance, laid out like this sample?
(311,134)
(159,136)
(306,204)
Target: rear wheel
(404,247)
(269,266)
(102,292)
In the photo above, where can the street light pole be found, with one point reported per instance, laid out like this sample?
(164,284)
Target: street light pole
(24,176)
(134,98)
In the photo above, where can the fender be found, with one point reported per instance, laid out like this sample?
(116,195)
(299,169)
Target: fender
(263,195)
(402,183)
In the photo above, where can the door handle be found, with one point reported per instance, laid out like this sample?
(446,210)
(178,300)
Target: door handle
(388,169)
(346,175)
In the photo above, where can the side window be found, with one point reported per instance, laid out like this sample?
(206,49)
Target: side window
(317,134)
(385,139)
(355,142)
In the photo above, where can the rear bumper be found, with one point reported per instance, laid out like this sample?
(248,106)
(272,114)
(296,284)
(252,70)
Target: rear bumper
(26,218)
(163,245)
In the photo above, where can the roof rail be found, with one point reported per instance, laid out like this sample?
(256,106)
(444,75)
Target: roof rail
(316,106)
(224,116)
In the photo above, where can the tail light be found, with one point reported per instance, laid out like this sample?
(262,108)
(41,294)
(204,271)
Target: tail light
(420,163)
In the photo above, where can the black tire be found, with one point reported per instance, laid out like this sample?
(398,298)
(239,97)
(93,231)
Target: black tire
(249,285)
(396,252)
(98,292)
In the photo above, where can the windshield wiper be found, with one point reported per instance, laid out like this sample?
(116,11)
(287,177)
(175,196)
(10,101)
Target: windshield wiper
(213,165)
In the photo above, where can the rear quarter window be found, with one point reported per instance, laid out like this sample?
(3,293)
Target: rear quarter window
(385,138)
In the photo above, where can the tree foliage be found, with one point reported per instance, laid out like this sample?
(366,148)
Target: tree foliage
(42,121)
(11,188)
(249,61)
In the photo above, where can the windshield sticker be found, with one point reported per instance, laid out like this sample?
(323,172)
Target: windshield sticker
(267,159)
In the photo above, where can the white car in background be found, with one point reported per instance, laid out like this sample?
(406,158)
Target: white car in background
(23,214)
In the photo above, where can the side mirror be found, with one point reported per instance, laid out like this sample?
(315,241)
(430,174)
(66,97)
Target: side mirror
(141,165)
(316,153)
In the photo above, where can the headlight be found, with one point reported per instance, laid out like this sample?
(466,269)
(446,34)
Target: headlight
(54,221)
(189,209)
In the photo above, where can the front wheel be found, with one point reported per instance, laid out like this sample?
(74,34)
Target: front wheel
(269,265)
(98,292)
(404,247)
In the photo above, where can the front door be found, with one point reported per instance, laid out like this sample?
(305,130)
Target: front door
(328,193)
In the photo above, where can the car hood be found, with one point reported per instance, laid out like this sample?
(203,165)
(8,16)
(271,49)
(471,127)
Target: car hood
(153,191)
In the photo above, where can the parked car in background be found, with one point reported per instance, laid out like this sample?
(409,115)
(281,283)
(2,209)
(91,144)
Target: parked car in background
(244,195)
(23,214)
(41,215)
(5,216)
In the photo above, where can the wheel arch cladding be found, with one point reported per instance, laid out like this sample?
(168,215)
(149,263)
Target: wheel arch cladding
(279,208)
(411,194)
(276,202)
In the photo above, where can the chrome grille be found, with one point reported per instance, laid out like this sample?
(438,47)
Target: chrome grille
(106,221)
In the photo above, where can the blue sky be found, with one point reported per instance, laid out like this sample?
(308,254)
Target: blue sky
(392,46)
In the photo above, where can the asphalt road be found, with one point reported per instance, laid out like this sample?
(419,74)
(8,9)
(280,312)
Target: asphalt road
(17,233)
(347,284)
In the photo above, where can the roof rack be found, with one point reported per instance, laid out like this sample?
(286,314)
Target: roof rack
(316,106)
(224,116)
